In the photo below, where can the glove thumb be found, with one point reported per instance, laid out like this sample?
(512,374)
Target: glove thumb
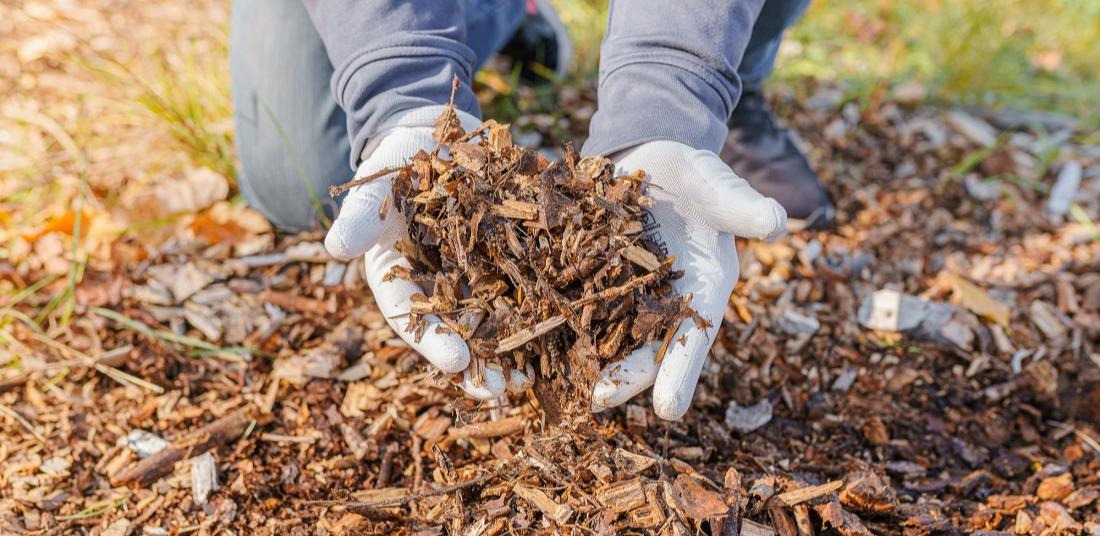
(728,203)
(359,225)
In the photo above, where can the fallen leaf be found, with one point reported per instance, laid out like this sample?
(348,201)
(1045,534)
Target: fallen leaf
(980,303)
(205,226)
(192,191)
(63,223)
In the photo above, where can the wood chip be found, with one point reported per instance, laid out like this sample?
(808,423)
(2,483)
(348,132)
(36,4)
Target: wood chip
(697,501)
(869,493)
(296,303)
(801,495)
(215,434)
(622,496)
(631,463)
(485,430)
(1044,316)
(752,528)
(555,511)
(204,477)
(516,209)
(641,257)
(523,337)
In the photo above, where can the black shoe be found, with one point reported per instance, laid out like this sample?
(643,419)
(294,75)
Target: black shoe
(541,46)
(762,153)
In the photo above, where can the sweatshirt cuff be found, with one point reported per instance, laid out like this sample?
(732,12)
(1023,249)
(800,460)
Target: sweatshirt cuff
(384,82)
(660,99)
(416,118)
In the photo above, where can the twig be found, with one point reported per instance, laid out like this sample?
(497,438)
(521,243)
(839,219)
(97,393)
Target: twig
(110,372)
(19,418)
(386,467)
(334,191)
(451,108)
(222,431)
(397,501)
(418,462)
(12,384)
(801,495)
(1087,439)
(615,292)
(521,337)
(672,329)
(287,439)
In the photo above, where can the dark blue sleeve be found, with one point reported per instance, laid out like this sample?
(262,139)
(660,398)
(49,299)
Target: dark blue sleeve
(390,56)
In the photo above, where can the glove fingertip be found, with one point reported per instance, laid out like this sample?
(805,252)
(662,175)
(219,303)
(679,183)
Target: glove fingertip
(603,393)
(519,381)
(674,387)
(593,407)
(492,387)
(337,245)
(447,352)
(670,406)
(774,218)
(757,219)
(351,236)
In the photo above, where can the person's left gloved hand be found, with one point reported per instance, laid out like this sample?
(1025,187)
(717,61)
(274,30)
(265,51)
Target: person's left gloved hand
(700,206)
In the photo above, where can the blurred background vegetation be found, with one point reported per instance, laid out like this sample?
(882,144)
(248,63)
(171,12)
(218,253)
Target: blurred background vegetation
(1030,54)
(1035,54)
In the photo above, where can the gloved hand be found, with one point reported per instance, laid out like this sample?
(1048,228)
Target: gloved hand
(360,230)
(700,206)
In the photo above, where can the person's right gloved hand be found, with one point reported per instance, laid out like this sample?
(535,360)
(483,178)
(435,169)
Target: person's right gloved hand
(360,230)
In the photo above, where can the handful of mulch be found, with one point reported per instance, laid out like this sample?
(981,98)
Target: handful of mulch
(537,265)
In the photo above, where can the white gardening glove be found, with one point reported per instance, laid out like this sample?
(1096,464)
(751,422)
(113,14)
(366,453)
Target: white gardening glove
(360,230)
(700,206)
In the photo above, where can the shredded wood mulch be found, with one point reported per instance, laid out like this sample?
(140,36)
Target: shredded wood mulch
(531,262)
(928,366)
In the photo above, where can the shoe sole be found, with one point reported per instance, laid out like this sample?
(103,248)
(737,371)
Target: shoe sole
(817,219)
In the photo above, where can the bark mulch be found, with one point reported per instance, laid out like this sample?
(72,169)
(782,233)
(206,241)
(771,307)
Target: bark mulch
(929,365)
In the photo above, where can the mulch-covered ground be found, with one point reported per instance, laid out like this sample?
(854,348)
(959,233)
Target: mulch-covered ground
(928,365)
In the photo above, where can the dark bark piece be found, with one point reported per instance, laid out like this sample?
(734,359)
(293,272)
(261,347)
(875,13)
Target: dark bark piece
(697,501)
(834,516)
(869,493)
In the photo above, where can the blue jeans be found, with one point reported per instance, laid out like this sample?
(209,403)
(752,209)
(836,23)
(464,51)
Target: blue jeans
(767,33)
(291,135)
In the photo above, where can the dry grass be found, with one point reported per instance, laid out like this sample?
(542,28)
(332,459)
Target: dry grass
(106,103)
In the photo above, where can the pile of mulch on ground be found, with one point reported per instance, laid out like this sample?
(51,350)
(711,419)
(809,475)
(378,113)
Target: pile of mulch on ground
(974,409)
(531,262)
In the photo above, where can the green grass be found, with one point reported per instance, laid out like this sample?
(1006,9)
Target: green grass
(1030,54)
(185,344)
(99,508)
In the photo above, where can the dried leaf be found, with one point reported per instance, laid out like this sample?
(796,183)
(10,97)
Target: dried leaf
(980,303)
